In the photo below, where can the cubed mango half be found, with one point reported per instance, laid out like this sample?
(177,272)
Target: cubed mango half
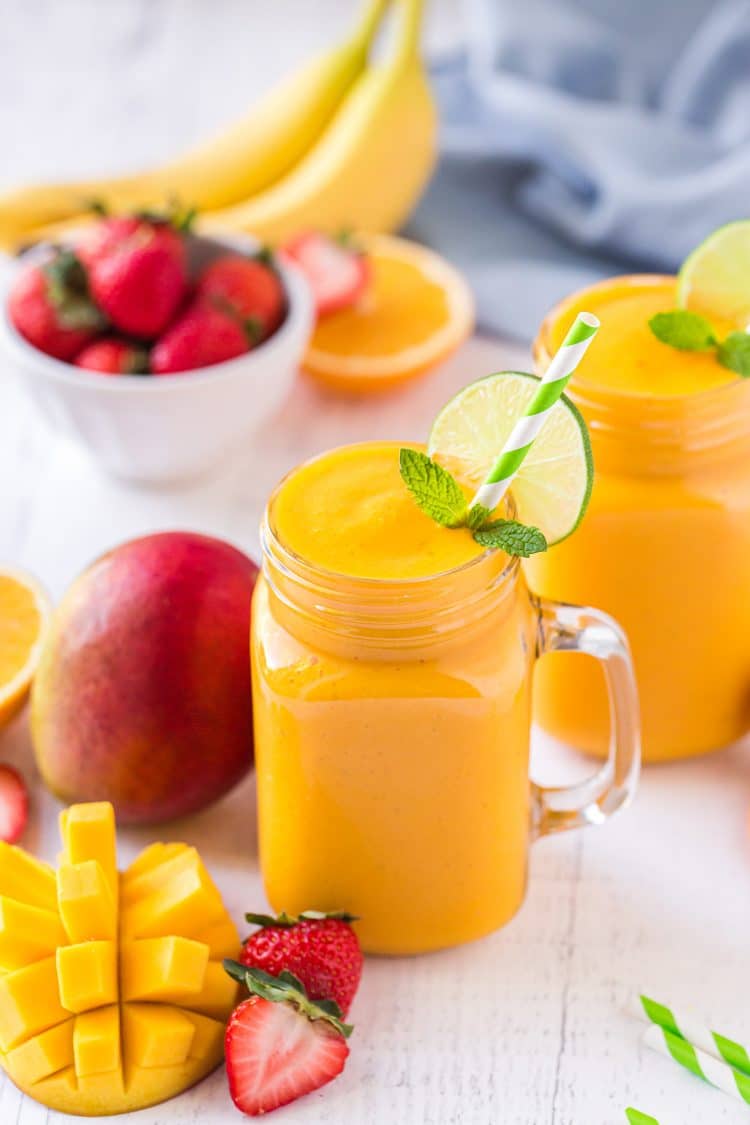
(112,993)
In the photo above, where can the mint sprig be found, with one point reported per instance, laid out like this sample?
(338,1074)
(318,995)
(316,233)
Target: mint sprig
(689,332)
(512,537)
(438,494)
(684,330)
(734,353)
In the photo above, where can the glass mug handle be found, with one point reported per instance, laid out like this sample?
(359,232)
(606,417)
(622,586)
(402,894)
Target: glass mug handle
(572,628)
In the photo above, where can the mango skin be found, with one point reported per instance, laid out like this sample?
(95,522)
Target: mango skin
(143,696)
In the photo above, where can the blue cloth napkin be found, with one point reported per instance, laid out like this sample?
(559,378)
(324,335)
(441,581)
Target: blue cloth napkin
(621,125)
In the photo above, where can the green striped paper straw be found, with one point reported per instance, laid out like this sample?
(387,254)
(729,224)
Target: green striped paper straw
(687,1025)
(698,1062)
(551,386)
(635,1117)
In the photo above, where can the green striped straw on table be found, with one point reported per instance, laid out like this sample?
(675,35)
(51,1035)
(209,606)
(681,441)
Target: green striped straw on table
(687,1025)
(699,1063)
(551,386)
(720,1061)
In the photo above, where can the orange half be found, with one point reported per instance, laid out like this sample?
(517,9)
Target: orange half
(415,312)
(24,616)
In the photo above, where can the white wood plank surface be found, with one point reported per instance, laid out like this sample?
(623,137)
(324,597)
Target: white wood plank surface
(525,1027)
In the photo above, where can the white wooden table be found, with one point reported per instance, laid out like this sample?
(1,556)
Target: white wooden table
(525,1027)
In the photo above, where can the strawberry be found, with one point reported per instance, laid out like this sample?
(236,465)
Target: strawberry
(14,804)
(112,356)
(137,269)
(337,273)
(321,949)
(279,1044)
(203,335)
(50,306)
(249,286)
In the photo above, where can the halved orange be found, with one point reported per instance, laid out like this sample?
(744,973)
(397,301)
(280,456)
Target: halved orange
(24,616)
(416,310)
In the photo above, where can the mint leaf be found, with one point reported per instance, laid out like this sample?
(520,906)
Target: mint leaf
(734,353)
(512,537)
(477,516)
(684,330)
(435,491)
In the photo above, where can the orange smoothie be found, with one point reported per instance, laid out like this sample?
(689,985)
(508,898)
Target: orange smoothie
(392,703)
(665,544)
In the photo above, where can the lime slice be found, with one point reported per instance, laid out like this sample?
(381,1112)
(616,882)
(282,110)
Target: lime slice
(553,485)
(715,278)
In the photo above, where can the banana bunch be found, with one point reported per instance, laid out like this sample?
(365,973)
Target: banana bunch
(345,142)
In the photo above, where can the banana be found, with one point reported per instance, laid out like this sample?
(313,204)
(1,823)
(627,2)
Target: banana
(369,166)
(245,158)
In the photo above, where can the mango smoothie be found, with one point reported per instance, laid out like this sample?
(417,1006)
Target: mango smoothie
(665,544)
(392,666)
(392,747)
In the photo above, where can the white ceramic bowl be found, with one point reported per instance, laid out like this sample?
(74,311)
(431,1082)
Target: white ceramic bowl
(172,427)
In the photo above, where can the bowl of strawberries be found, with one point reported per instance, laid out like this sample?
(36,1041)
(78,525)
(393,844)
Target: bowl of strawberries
(156,349)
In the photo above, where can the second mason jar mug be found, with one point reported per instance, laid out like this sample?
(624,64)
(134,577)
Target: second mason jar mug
(665,544)
(392,723)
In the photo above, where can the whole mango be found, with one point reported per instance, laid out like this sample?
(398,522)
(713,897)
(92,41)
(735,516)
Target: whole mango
(142,696)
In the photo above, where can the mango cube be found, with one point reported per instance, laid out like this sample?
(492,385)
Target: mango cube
(29,1003)
(59,1089)
(96,1041)
(168,968)
(222,939)
(157,1035)
(88,832)
(218,994)
(87,908)
(87,975)
(45,1054)
(153,868)
(100,1089)
(26,879)
(185,905)
(27,933)
(209,1036)
(112,993)
(163,873)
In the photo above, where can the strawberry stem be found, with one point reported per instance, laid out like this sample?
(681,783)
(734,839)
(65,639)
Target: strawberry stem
(286,988)
(286,921)
(68,291)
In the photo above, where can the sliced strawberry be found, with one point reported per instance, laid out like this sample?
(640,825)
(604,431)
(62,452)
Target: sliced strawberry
(14,804)
(279,1045)
(338,274)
